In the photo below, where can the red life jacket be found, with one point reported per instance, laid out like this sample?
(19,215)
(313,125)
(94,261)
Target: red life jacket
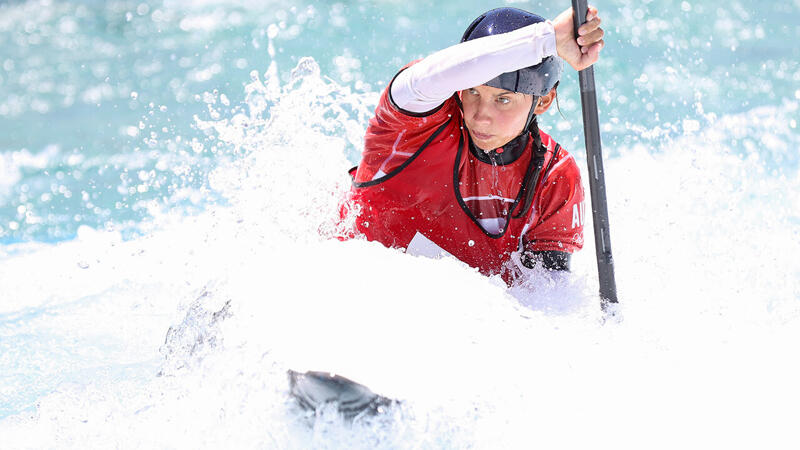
(417,184)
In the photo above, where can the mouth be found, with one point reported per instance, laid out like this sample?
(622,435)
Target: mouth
(481,136)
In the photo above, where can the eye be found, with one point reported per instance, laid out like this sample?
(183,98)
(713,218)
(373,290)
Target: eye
(472,91)
(503,100)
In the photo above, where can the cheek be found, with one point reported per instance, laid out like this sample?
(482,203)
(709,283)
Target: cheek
(468,106)
(513,121)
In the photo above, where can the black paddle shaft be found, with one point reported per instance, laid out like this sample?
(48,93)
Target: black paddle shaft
(597,183)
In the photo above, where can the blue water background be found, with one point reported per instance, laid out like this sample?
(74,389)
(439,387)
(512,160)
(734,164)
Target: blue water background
(97,98)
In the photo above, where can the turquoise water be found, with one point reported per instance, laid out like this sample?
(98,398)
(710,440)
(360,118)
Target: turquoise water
(97,99)
(158,159)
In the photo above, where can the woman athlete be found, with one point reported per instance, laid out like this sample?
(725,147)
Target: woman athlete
(454,161)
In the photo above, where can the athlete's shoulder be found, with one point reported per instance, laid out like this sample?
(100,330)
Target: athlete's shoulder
(390,121)
(560,207)
(388,110)
(393,136)
(561,162)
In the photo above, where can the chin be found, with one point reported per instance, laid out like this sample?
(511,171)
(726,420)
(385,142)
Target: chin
(484,145)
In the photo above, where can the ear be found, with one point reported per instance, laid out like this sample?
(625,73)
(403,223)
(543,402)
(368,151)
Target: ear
(545,102)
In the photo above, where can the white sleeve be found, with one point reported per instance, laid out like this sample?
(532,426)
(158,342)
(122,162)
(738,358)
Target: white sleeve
(427,84)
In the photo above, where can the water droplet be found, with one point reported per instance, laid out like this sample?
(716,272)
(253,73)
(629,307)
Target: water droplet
(272,31)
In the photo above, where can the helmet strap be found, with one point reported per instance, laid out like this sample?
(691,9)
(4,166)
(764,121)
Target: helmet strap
(534,168)
(531,116)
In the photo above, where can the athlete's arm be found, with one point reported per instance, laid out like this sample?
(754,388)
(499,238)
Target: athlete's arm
(427,84)
(560,212)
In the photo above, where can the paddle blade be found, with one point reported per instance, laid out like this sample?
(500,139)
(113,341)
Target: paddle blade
(314,389)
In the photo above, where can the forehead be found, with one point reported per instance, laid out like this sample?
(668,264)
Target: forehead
(493,91)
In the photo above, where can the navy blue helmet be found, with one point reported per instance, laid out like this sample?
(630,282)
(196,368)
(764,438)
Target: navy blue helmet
(535,80)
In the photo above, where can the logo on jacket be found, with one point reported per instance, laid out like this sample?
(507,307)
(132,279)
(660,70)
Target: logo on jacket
(578,214)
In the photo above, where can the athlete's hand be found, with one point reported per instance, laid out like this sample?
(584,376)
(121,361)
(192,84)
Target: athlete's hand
(584,51)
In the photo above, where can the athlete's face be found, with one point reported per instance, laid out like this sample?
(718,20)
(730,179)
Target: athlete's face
(494,116)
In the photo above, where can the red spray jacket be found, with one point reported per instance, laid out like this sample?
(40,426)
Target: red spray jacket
(421,188)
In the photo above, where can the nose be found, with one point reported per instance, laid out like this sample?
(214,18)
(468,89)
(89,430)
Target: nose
(481,113)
